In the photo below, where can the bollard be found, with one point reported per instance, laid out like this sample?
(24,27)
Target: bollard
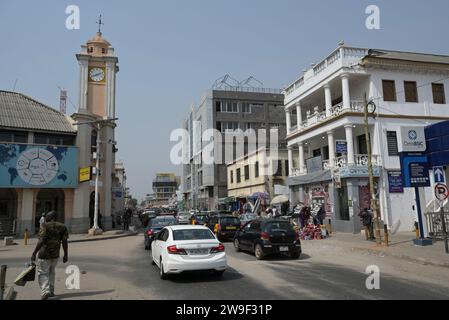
(330,226)
(386,235)
(417,230)
(25,237)
(2,280)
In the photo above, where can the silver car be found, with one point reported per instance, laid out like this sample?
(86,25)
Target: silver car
(183,217)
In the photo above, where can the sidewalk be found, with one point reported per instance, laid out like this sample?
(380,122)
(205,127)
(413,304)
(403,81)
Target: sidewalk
(400,246)
(113,234)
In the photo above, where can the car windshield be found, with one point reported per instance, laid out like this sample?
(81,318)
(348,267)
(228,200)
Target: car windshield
(278,226)
(248,216)
(163,222)
(193,234)
(230,220)
(184,215)
(201,218)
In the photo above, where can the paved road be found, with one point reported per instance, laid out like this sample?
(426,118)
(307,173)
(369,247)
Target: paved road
(121,269)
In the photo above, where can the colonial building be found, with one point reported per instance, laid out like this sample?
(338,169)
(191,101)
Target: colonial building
(326,138)
(226,108)
(43,150)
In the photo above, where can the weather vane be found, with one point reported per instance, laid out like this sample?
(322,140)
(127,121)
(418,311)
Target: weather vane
(99,24)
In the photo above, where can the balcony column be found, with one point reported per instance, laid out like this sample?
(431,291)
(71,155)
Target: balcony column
(288,118)
(298,114)
(328,98)
(290,160)
(345,91)
(331,143)
(301,163)
(350,143)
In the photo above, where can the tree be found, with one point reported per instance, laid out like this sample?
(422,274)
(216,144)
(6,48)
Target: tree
(133,202)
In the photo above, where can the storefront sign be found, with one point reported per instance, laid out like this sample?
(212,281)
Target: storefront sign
(38,166)
(395,182)
(85,174)
(412,139)
(341,146)
(358,172)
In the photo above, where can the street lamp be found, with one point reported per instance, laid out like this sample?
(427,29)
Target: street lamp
(99,124)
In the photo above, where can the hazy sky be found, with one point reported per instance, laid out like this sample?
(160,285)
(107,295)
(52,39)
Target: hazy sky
(170,52)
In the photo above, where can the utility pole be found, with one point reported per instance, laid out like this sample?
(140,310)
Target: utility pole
(373,202)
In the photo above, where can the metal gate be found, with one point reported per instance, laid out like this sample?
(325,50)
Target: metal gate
(435,225)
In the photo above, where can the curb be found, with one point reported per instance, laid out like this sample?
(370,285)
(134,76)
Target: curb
(380,251)
(104,238)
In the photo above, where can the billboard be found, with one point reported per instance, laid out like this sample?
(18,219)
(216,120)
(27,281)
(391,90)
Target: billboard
(38,166)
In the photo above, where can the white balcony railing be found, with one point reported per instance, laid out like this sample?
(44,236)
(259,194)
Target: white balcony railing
(317,117)
(346,55)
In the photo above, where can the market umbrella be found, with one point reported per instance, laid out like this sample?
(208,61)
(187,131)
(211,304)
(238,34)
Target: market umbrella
(280,199)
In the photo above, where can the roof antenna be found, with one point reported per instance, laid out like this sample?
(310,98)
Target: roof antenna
(14,87)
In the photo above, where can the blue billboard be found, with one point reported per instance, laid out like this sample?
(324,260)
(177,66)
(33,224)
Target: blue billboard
(38,166)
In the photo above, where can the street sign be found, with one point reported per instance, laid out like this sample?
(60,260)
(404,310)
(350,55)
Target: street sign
(395,182)
(441,192)
(439,176)
(85,174)
(415,170)
(341,146)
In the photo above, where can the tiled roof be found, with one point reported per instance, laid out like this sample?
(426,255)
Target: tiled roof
(21,112)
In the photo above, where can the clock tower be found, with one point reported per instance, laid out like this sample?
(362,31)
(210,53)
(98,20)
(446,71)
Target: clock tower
(98,67)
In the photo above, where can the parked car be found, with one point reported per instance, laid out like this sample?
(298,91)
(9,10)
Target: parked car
(183,217)
(177,249)
(199,218)
(226,226)
(247,217)
(265,237)
(154,226)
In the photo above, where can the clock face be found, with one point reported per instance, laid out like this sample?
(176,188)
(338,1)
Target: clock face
(96,74)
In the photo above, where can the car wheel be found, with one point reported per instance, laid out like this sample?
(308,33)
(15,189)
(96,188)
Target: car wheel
(258,252)
(152,261)
(237,245)
(162,274)
(218,273)
(294,255)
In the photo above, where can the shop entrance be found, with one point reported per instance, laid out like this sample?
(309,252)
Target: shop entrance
(343,202)
(48,200)
(8,211)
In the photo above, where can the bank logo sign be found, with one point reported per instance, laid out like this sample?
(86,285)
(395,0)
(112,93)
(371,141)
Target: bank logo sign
(412,139)
(32,166)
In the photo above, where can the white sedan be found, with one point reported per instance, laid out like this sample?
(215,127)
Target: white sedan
(188,248)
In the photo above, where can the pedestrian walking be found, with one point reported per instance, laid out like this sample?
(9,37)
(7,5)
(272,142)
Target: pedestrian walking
(320,216)
(127,219)
(367,221)
(51,236)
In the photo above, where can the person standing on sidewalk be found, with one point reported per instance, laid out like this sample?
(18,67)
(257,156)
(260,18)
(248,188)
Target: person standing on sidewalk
(367,221)
(51,236)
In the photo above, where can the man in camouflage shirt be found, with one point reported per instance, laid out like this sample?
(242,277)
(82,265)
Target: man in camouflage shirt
(51,236)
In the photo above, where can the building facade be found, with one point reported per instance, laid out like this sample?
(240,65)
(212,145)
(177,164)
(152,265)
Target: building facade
(165,186)
(326,139)
(225,109)
(263,171)
(43,150)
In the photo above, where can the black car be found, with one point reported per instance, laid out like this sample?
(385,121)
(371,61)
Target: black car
(154,226)
(265,237)
(224,225)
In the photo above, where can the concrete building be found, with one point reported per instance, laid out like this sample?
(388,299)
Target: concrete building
(326,138)
(119,189)
(258,172)
(43,150)
(225,108)
(165,186)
